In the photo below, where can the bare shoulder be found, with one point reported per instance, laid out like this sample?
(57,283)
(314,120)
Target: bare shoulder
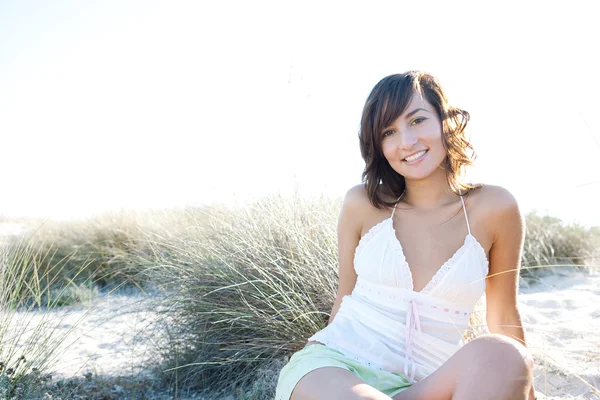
(358,209)
(356,205)
(497,209)
(357,196)
(493,199)
(357,199)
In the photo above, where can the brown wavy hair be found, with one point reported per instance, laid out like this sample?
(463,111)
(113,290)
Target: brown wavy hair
(386,102)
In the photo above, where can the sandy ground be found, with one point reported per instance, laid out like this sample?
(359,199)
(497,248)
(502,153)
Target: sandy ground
(561,316)
(110,336)
(113,337)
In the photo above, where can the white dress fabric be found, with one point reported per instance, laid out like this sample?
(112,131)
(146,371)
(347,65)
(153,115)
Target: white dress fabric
(386,324)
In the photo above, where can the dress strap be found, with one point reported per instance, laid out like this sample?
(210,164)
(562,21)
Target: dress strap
(465,210)
(397,201)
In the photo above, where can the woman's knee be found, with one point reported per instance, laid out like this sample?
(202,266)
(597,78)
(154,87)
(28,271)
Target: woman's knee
(503,351)
(490,366)
(498,367)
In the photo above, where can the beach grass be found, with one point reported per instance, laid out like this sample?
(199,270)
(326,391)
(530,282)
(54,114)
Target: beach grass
(31,321)
(239,289)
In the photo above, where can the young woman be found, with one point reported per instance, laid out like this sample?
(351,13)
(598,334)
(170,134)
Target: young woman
(417,248)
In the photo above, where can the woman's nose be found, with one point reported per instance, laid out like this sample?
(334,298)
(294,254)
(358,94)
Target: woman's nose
(407,140)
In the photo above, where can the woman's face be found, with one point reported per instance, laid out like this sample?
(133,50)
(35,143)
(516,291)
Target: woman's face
(412,144)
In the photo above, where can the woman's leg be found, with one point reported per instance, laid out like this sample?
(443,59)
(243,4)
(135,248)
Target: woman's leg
(491,367)
(333,383)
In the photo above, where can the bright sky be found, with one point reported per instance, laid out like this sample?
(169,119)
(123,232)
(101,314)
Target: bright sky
(142,104)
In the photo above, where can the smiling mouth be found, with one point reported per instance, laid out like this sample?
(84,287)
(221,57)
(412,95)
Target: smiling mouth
(415,156)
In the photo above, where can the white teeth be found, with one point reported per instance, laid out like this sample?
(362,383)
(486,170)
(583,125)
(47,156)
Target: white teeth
(415,156)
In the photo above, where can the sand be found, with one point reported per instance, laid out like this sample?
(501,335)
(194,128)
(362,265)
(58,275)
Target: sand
(561,315)
(111,335)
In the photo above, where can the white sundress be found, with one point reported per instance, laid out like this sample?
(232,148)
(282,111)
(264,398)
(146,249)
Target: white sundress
(385,323)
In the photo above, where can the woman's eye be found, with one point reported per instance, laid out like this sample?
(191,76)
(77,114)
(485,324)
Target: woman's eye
(387,133)
(419,120)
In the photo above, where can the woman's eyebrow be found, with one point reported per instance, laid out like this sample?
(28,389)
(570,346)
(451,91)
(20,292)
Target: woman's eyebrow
(410,114)
(413,112)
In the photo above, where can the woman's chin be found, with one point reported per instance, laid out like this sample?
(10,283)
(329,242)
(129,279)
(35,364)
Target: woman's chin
(418,175)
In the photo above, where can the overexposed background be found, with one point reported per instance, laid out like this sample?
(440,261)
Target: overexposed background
(140,104)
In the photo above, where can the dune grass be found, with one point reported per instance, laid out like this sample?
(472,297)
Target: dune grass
(29,340)
(550,245)
(245,287)
(240,289)
(95,252)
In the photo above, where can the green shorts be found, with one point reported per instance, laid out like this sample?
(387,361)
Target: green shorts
(316,356)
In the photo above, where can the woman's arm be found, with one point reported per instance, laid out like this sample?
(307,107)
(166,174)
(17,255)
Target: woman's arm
(348,230)
(505,258)
(502,314)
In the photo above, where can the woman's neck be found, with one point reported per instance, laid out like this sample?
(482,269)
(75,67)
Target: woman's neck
(430,193)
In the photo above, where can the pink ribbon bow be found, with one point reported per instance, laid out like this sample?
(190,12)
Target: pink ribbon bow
(412,323)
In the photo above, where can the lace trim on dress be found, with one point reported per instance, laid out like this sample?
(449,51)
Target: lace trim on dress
(407,274)
(446,266)
(365,239)
(482,255)
(404,269)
